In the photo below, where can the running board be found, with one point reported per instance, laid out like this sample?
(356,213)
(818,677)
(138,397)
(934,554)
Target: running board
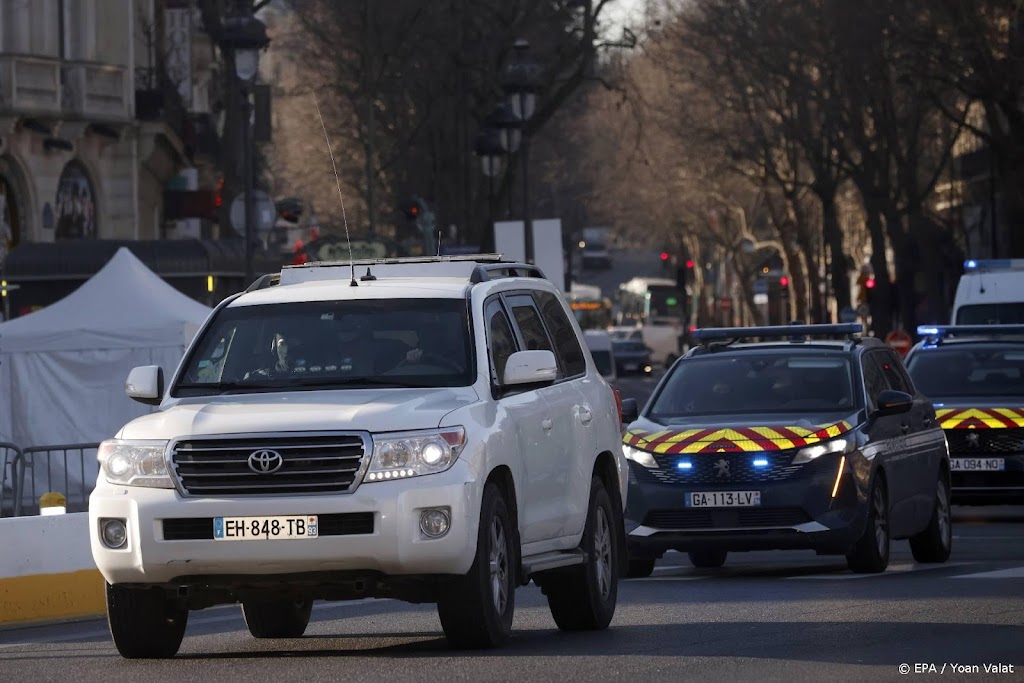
(555,559)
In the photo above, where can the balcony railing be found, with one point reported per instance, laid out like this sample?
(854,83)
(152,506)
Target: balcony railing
(30,85)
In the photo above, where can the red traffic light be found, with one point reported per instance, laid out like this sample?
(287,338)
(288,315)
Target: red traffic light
(870,283)
(689,263)
(664,256)
(784,281)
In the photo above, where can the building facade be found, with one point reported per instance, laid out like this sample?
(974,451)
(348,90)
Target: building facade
(97,118)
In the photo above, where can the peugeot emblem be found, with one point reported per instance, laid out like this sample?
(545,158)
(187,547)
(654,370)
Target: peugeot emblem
(722,468)
(973,440)
(265,462)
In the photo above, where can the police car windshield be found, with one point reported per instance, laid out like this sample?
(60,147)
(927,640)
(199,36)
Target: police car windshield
(292,346)
(968,372)
(752,382)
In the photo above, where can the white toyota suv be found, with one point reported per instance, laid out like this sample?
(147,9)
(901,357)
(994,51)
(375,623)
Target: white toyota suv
(431,431)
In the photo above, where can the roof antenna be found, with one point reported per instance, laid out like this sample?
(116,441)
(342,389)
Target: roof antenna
(438,242)
(344,217)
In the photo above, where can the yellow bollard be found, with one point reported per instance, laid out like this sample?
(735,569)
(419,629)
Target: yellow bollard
(52,503)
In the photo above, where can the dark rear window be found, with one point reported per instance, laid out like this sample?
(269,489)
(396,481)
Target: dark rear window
(752,382)
(991,314)
(967,372)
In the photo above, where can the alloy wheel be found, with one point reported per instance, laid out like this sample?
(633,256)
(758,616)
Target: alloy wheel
(499,566)
(603,553)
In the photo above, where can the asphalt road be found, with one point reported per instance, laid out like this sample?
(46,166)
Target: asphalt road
(764,616)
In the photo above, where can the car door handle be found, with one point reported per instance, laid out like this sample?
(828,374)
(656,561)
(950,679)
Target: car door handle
(585,415)
(904,428)
(546,424)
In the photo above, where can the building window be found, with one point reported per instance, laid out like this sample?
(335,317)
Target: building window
(75,204)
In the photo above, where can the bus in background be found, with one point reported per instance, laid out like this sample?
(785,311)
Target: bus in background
(658,306)
(990,292)
(591,310)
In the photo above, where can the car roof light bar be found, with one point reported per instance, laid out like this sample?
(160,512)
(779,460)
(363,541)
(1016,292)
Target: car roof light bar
(777,331)
(993,264)
(936,333)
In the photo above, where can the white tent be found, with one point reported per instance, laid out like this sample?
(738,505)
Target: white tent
(62,369)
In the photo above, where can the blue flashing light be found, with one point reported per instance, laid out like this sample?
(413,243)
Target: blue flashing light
(927,331)
(994,264)
(760,462)
(970,264)
(685,465)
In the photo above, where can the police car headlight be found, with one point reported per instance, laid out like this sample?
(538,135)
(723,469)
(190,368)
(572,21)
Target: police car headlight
(819,449)
(640,457)
(410,454)
(135,463)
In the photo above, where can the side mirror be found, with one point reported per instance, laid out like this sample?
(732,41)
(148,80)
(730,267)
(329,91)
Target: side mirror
(630,410)
(891,402)
(145,384)
(530,367)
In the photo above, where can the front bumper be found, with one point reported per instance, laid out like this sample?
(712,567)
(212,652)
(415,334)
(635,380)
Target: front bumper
(395,546)
(989,487)
(794,514)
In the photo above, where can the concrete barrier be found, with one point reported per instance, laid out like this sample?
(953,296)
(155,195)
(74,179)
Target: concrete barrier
(46,569)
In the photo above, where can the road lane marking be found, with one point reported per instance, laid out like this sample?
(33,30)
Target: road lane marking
(1012,573)
(891,570)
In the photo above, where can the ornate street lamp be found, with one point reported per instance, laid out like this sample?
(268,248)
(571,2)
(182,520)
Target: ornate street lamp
(520,83)
(244,36)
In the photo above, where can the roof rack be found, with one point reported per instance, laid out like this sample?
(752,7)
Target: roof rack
(936,334)
(455,258)
(797,332)
(264,281)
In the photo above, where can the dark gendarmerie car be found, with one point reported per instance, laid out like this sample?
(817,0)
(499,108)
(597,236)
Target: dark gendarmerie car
(790,442)
(631,357)
(975,376)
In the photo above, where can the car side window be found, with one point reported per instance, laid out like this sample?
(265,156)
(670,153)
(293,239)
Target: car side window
(875,380)
(535,338)
(567,345)
(501,342)
(897,374)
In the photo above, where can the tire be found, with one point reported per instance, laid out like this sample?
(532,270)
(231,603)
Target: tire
(583,598)
(640,568)
(708,559)
(870,554)
(935,543)
(144,623)
(476,609)
(277,618)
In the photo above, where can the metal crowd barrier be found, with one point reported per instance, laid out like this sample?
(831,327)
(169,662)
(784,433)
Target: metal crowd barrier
(9,457)
(49,468)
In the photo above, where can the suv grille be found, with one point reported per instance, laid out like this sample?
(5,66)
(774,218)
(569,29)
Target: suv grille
(740,468)
(296,464)
(978,442)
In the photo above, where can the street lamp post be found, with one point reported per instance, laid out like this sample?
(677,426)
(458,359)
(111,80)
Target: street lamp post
(244,35)
(520,86)
(489,149)
(510,134)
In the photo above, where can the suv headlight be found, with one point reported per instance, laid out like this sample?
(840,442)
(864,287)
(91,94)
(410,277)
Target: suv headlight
(135,463)
(411,454)
(809,453)
(640,457)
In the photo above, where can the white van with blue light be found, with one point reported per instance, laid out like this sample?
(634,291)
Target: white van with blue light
(991,292)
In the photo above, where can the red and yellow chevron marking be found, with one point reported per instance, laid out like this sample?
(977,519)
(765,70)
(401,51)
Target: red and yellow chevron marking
(980,418)
(732,439)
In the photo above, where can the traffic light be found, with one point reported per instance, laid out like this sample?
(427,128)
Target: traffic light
(412,210)
(783,281)
(664,256)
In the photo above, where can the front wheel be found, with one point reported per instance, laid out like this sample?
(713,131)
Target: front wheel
(870,554)
(144,623)
(476,609)
(583,598)
(277,618)
(935,543)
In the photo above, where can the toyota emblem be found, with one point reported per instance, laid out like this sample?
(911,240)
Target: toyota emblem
(265,461)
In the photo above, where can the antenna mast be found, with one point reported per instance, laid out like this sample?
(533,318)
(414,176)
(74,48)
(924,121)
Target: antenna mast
(341,197)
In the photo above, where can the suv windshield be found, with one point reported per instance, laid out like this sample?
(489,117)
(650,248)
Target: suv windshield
(320,344)
(969,372)
(751,382)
